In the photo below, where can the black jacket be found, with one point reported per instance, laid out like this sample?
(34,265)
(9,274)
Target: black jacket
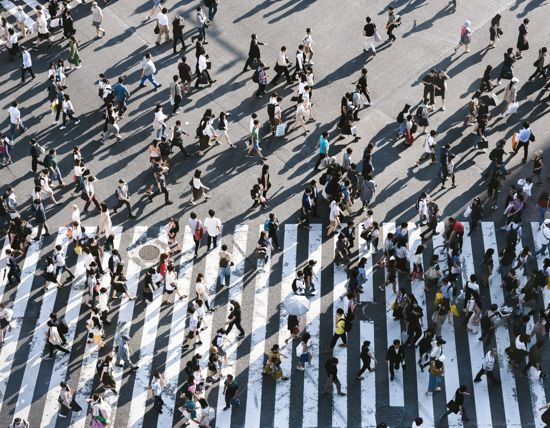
(395,357)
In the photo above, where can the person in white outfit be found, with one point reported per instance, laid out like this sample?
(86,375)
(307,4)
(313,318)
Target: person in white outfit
(105,223)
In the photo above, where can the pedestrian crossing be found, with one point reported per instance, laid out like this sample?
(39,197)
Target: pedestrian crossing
(29,7)
(29,384)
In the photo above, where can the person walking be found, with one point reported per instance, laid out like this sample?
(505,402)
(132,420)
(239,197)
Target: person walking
(494,31)
(121,95)
(281,67)
(15,121)
(523,42)
(507,69)
(465,36)
(341,326)
(231,392)
(535,360)
(54,341)
(68,111)
(60,264)
(510,97)
(213,226)
(366,359)
(66,401)
(203,76)
(123,353)
(197,228)
(97,19)
(123,197)
(395,356)
(323,149)
(225,265)
(156,387)
(26,66)
(271,226)
(74,55)
(456,405)
(148,71)
(234,319)
(254,54)
(202,24)
(163,26)
(371,36)
(487,367)
(394,21)
(436,371)
(89,194)
(331,368)
(177,33)
(255,141)
(539,64)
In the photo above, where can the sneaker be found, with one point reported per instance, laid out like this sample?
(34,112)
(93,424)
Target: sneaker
(77,121)
(62,127)
(301,368)
(240,336)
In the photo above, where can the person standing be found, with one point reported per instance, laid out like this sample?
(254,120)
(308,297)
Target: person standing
(524,136)
(254,54)
(26,67)
(15,121)
(213,227)
(40,217)
(331,367)
(148,71)
(177,33)
(163,25)
(97,19)
(487,367)
(456,405)
(523,41)
(395,356)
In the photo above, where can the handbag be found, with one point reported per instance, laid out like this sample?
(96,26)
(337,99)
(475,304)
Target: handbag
(438,298)
(55,22)
(377,37)
(208,65)
(157,29)
(468,212)
(434,317)
(280,131)
(454,310)
(515,140)
(78,249)
(512,108)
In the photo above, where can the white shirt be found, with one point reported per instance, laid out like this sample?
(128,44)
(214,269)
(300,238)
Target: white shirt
(251,124)
(197,184)
(156,387)
(334,211)
(429,143)
(21,16)
(27,62)
(162,19)
(200,289)
(473,286)
(15,115)
(308,41)
(89,188)
(202,63)
(300,59)
(488,362)
(545,232)
(59,259)
(159,119)
(282,59)
(67,105)
(213,225)
(524,135)
(193,322)
(75,216)
(170,280)
(201,18)
(103,302)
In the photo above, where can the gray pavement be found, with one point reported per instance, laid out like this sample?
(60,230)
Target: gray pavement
(426,39)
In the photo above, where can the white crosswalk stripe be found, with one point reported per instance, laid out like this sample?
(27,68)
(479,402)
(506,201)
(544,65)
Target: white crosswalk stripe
(369,393)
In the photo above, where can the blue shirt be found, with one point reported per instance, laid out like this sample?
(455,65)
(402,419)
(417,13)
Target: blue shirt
(323,145)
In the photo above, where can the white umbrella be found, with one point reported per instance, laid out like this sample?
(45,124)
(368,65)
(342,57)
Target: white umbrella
(297,305)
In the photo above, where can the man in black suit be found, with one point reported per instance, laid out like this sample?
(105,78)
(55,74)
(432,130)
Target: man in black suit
(395,356)
(253,53)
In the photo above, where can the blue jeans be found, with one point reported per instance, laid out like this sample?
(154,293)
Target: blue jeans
(212,11)
(225,275)
(161,132)
(150,78)
(13,127)
(202,32)
(543,249)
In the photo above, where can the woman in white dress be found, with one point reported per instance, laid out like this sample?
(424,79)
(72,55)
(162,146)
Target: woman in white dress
(105,224)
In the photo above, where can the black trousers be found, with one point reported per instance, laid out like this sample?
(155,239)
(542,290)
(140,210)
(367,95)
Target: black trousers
(280,71)
(58,347)
(34,164)
(197,243)
(429,94)
(319,160)
(180,146)
(236,324)
(24,71)
(158,402)
(364,366)
(335,338)
(122,202)
(175,45)
(14,276)
(177,102)
(274,240)
(212,240)
(249,61)
(489,374)
(525,149)
(393,365)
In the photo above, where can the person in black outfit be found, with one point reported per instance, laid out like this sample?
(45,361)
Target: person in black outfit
(395,356)
(331,367)
(14,271)
(362,86)
(254,54)
(234,319)
(177,33)
(496,156)
(35,155)
(456,405)
(429,88)
(61,324)
(366,358)
(273,226)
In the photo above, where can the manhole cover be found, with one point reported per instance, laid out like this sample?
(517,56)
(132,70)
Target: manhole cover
(391,416)
(149,253)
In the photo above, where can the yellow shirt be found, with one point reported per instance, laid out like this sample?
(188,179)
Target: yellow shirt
(340,324)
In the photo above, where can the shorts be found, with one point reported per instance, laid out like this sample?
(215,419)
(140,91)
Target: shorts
(257,146)
(96,24)
(168,291)
(304,358)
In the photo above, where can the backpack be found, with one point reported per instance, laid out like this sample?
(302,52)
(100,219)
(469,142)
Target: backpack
(323,179)
(37,181)
(256,79)
(267,224)
(485,322)
(271,110)
(493,155)
(512,237)
(62,327)
(347,323)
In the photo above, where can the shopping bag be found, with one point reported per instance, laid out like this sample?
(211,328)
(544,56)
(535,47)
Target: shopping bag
(354,131)
(468,212)
(454,310)
(78,249)
(512,108)
(515,140)
(438,298)
(377,37)
(280,131)
(54,23)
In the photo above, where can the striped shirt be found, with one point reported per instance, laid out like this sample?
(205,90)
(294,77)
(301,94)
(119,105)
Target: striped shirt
(488,362)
